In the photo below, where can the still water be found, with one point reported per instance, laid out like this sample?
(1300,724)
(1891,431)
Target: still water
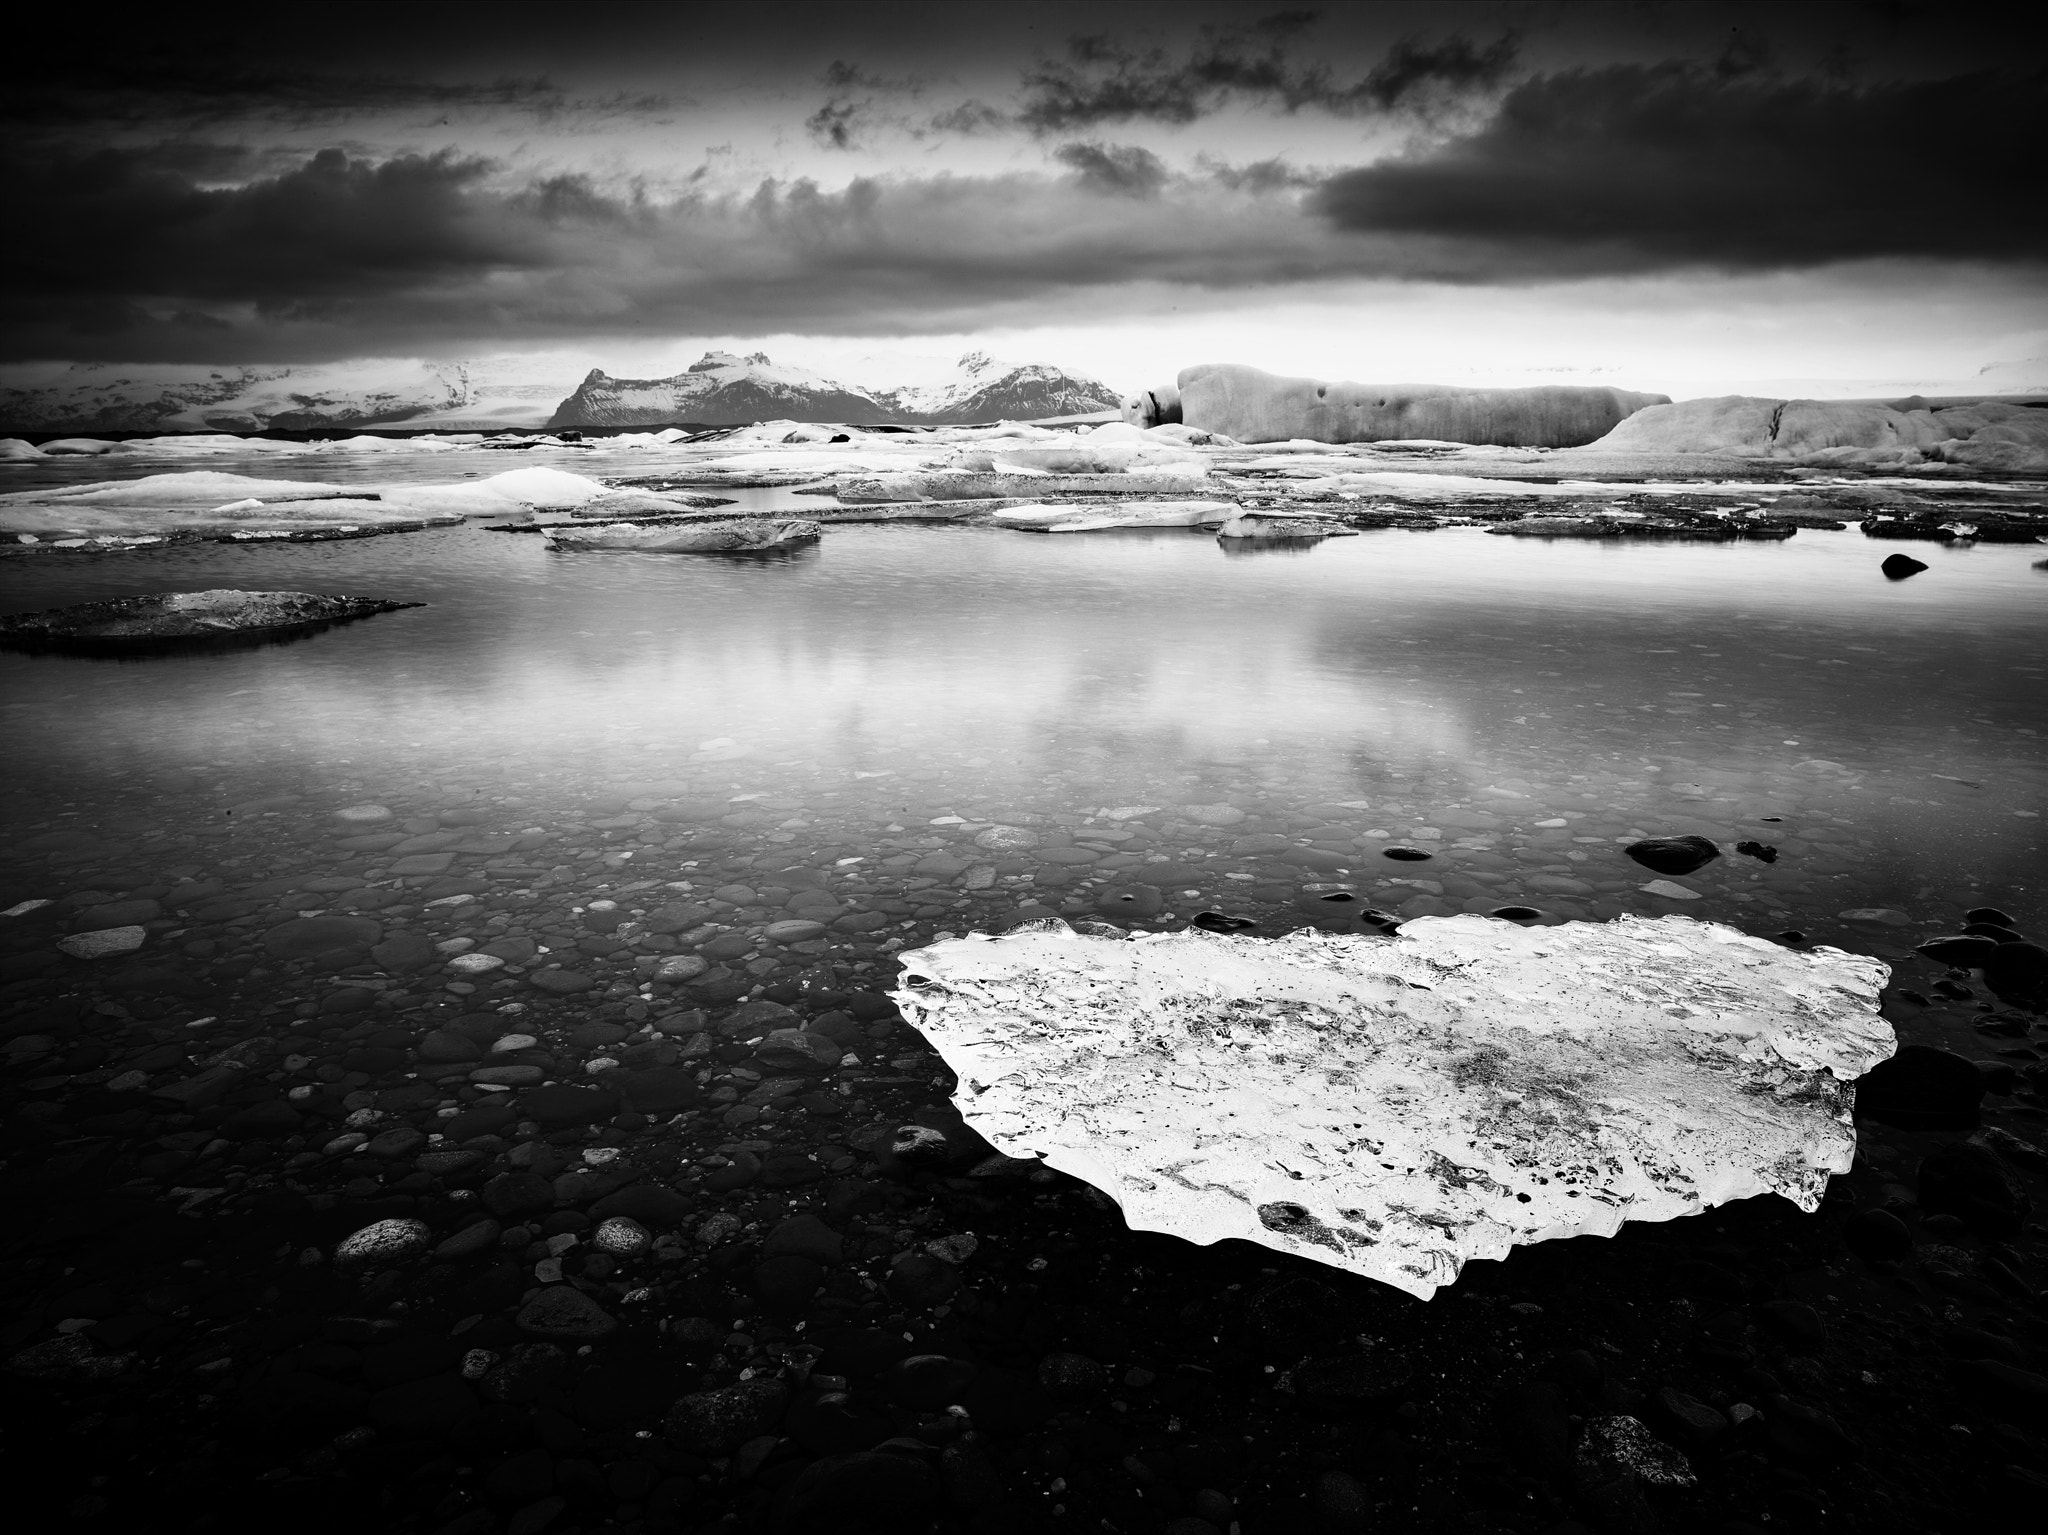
(1516,708)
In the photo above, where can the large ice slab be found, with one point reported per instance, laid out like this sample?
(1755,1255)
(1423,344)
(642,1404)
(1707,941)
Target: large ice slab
(1397,1107)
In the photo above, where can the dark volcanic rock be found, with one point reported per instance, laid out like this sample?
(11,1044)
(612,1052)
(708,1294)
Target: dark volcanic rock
(1897,567)
(1922,1088)
(719,1422)
(2018,972)
(1965,951)
(1974,1184)
(1673,855)
(861,1493)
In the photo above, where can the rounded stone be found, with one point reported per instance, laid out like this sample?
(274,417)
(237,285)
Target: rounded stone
(1405,854)
(311,937)
(362,815)
(387,1241)
(1006,839)
(561,983)
(475,964)
(107,940)
(1673,855)
(621,1236)
(1135,902)
(794,931)
(1071,1377)
(681,967)
(562,1311)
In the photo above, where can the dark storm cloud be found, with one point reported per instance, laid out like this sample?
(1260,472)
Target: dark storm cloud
(77,91)
(137,259)
(1643,167)
(1123,170)
(1101,81)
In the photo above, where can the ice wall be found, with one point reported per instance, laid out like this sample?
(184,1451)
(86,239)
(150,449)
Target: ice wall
(1398,1106)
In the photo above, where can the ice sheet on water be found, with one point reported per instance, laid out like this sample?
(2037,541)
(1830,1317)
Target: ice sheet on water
(1400,1107)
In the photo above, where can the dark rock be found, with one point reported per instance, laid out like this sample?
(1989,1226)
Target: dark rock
(1806,1433)
(1299,1312)
(2018,972)
(865,1492)
(1673,855)
(1339,1501)
(566,1104)
(521,1478)
(1071,1377)
(719,1422)
(1922,1088)
(434,1406)
(804,1236)
(563,1311)
(1692,1422)
(1132,902)
(1761,851)
(828,1423)
(1353,1381)
(918,1280)
(1993,931)
(299,1406)
(1897,567)
(1988,914)
(561,983)
(405,952)
(484,1119)
(658,1089)
(321,937)
(1405,854)
(787,1283)
(1964,951)
(511,1195)
(1219,922)
(1974,1184)
(1004,1403)
(1877,1236)
(930,1382)
(1536,1427)
(650,1203)
(1618,1446)
(1794,1321)
(1517,913)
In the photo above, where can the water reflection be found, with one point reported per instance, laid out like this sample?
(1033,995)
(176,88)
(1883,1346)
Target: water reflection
(1532,702)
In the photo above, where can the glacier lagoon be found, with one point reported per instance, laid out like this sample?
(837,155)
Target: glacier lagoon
(572,897)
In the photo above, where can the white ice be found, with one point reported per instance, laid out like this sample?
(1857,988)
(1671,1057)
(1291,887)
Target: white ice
(1398,1107)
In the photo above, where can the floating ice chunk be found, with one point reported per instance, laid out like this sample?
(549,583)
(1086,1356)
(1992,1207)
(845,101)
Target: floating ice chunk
(1397,1107)
(1041,518)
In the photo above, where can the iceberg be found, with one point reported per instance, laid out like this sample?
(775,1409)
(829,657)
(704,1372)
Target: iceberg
(1397,1107)
(710,535)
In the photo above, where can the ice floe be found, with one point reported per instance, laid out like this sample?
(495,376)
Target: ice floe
(1398,1107)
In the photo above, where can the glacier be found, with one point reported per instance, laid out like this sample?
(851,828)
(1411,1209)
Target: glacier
(1397,1107)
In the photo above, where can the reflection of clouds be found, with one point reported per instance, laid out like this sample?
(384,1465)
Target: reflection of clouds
(1003,645)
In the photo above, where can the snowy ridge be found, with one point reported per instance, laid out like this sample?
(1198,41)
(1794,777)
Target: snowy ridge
(110,397)
(722,387)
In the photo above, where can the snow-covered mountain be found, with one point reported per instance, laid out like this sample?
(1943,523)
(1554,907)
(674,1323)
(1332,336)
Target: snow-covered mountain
(114,397)
(722,387)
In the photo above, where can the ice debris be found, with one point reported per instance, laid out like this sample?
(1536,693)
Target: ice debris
(1397,1107)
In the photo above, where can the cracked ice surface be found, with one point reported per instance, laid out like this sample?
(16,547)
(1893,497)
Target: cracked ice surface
(1397,1107)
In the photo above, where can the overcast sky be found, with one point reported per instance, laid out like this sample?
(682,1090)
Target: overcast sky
(1657,196)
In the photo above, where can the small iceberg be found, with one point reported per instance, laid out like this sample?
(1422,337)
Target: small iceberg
(710,535)
(1400,1106)
(169,621)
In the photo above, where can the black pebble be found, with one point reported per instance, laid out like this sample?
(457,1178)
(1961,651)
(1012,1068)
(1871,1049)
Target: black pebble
(1763,852)
(1673,855)
(1988,914)
(1219,922)
(1406,854)
(1922,1088)
(1897,567)
(1792,938)
(1877,1236)
(1518,913)
(1967,950)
